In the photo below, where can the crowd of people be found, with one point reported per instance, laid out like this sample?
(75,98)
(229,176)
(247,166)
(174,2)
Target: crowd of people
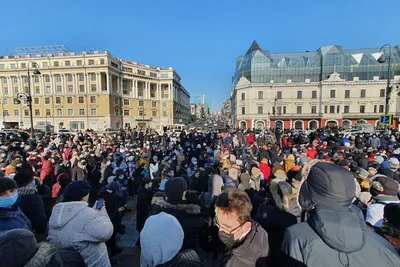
(223,198)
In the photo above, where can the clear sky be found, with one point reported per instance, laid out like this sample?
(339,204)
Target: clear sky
(199,38)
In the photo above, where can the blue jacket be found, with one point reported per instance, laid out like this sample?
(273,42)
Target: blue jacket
(12,218)
(32,205)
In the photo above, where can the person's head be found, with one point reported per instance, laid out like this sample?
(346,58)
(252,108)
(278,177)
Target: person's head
(24,179)
(113,186)
(175,188)
(372,171)
(233,215)
(160,239)
(391,216)
(76,191)
(383,185)
(8,192)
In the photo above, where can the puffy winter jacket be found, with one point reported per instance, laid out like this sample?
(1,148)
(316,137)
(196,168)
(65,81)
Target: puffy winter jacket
(12,218)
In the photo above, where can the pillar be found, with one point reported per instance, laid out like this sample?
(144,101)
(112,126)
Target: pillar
(109,79)
(98,82)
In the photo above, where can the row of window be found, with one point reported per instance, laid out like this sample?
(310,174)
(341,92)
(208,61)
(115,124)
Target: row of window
(332,109)
(45,64)
(59,112)
(59,89)
(314,94)
(47,79)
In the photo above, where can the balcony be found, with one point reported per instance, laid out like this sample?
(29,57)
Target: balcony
(358,115)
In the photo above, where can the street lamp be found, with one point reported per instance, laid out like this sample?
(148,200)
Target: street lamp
(29,95)
(382,59)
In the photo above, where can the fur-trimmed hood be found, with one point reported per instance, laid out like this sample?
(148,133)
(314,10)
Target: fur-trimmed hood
(24,191)
(163,205)
(43,255)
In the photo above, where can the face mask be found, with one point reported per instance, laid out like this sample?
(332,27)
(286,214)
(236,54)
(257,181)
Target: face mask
(227,239)
(147,186)
(92,155)
(6,202)
(4,155)
(121,177)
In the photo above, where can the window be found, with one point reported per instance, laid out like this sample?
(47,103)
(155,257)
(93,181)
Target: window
(140,93)
(102,61)
(12,66)
(59,112)
(347,94)
(70,112)
(314,94)
(362,109)
(81,100)
(16,90)
(382,93)
(152,93)
(381,108)
(93,77)
(48,112)
(23,65)
(47,78)
(81,77)
(273,110)
(16,101)
(141,72)
(6,113)
(45,64)
(15,80)
(59,89)
(26,90)
(36,79)
(37,112)
(5,81)
(346,109)
(2,67)
(26,112)
(126,102)
(333,94)
(338,109)
(126,112)
(69,100)
(243,110)
(56,64)
(5,101)
(48,89)
(164,113)
(116,102)
(58,100)
(362,95)
(79,62)
(93,111)
(331,109)
(37,90)
(81,88)
(140,113)
(16,112)
(91,62)
(299,94)
(260,109)
(154,113)
(58,78)
(299,109)
(279,95)
(81,111)
(36,101)
(69,78)
(284,109)
(47,100)
(6,92)
(375,108)
(93,88)
(67,63)
(313,109)
(260,94)
(141,103)
(279,110)
(92,99)
(243,96)
(326,109)
(154,104)
(70,89)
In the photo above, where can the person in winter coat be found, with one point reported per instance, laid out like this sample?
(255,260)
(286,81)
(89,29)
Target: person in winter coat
(232,179)
(79,172)
(144,197)
(334,234)
(265,169)
(20,249)
(255,178)
(289,163)
(47,171)
(74,224)
(162,248)
(58,188)
(153,167)
(215,186)
(383,190)
(245,242)
(391,224)
(189,212)
(374,141)
(31,203)
(11,216)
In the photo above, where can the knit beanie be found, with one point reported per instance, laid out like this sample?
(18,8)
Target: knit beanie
(17,247)
(385,165)
(175,188)
(75,191)
(113,186)
(23,179)
(7,184)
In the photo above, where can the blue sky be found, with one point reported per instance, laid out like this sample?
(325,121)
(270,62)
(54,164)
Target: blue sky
(200,39)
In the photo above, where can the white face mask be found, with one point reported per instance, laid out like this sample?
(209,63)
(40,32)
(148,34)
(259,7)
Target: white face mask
(149,185)
(121,177)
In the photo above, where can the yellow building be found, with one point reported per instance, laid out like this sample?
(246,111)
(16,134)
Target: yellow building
(90,90)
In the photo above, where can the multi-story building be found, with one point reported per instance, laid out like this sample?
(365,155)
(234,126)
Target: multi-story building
(226,111)
(328,87)
(90,90)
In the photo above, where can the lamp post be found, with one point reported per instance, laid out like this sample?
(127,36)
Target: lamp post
(382,59)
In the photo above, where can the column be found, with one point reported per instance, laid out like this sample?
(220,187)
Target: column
(108,77)
(53,84)
(74,83)
(135,91)
(10,87)
(64,84)
(20,84)
(171,87)
(41,80)
(158,92)
(98,82)
(85,82)
(119,85)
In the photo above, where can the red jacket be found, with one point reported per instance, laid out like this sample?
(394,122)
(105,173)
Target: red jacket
(47,169)
(284,142)
(312,153)
(265,170)
(250,139)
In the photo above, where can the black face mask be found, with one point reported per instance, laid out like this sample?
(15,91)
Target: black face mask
(227,239)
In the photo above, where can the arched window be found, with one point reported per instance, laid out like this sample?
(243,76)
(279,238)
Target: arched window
(331,124)
(362,121)
(279,124)
(313,125)
(260,125)
(299,125)
(243,125)
(260,94)
(346,124)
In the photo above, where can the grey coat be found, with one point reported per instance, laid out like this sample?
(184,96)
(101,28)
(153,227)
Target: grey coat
(75,225)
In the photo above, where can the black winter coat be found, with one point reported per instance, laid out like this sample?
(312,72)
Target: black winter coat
(186,258)
(143,209)
(32,205)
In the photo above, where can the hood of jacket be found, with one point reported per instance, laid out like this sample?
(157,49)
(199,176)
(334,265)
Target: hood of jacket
(163,205)
(65,211)
(215,185)
(344,231)
(24,191)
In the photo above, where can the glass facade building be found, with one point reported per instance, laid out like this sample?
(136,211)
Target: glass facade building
(261,66)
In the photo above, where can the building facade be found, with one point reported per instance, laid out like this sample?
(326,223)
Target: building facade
(328,87)
(90,90)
